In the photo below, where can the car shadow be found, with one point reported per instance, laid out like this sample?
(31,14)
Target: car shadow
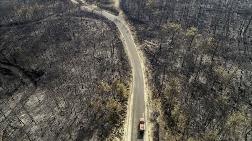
(140,135)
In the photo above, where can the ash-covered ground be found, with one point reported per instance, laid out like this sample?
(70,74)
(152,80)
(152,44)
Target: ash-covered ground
(63,73)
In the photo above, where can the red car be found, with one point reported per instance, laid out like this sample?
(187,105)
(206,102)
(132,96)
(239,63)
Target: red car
(141,126)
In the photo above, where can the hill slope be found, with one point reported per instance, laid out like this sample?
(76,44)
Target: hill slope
(199,57)
(63,73)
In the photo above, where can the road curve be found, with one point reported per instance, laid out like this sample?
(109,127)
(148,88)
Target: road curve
(137,102)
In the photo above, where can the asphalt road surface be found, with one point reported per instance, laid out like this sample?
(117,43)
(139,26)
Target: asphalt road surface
(137,98)
(137,102)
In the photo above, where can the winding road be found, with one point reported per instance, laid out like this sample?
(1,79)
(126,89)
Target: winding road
(136,108)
